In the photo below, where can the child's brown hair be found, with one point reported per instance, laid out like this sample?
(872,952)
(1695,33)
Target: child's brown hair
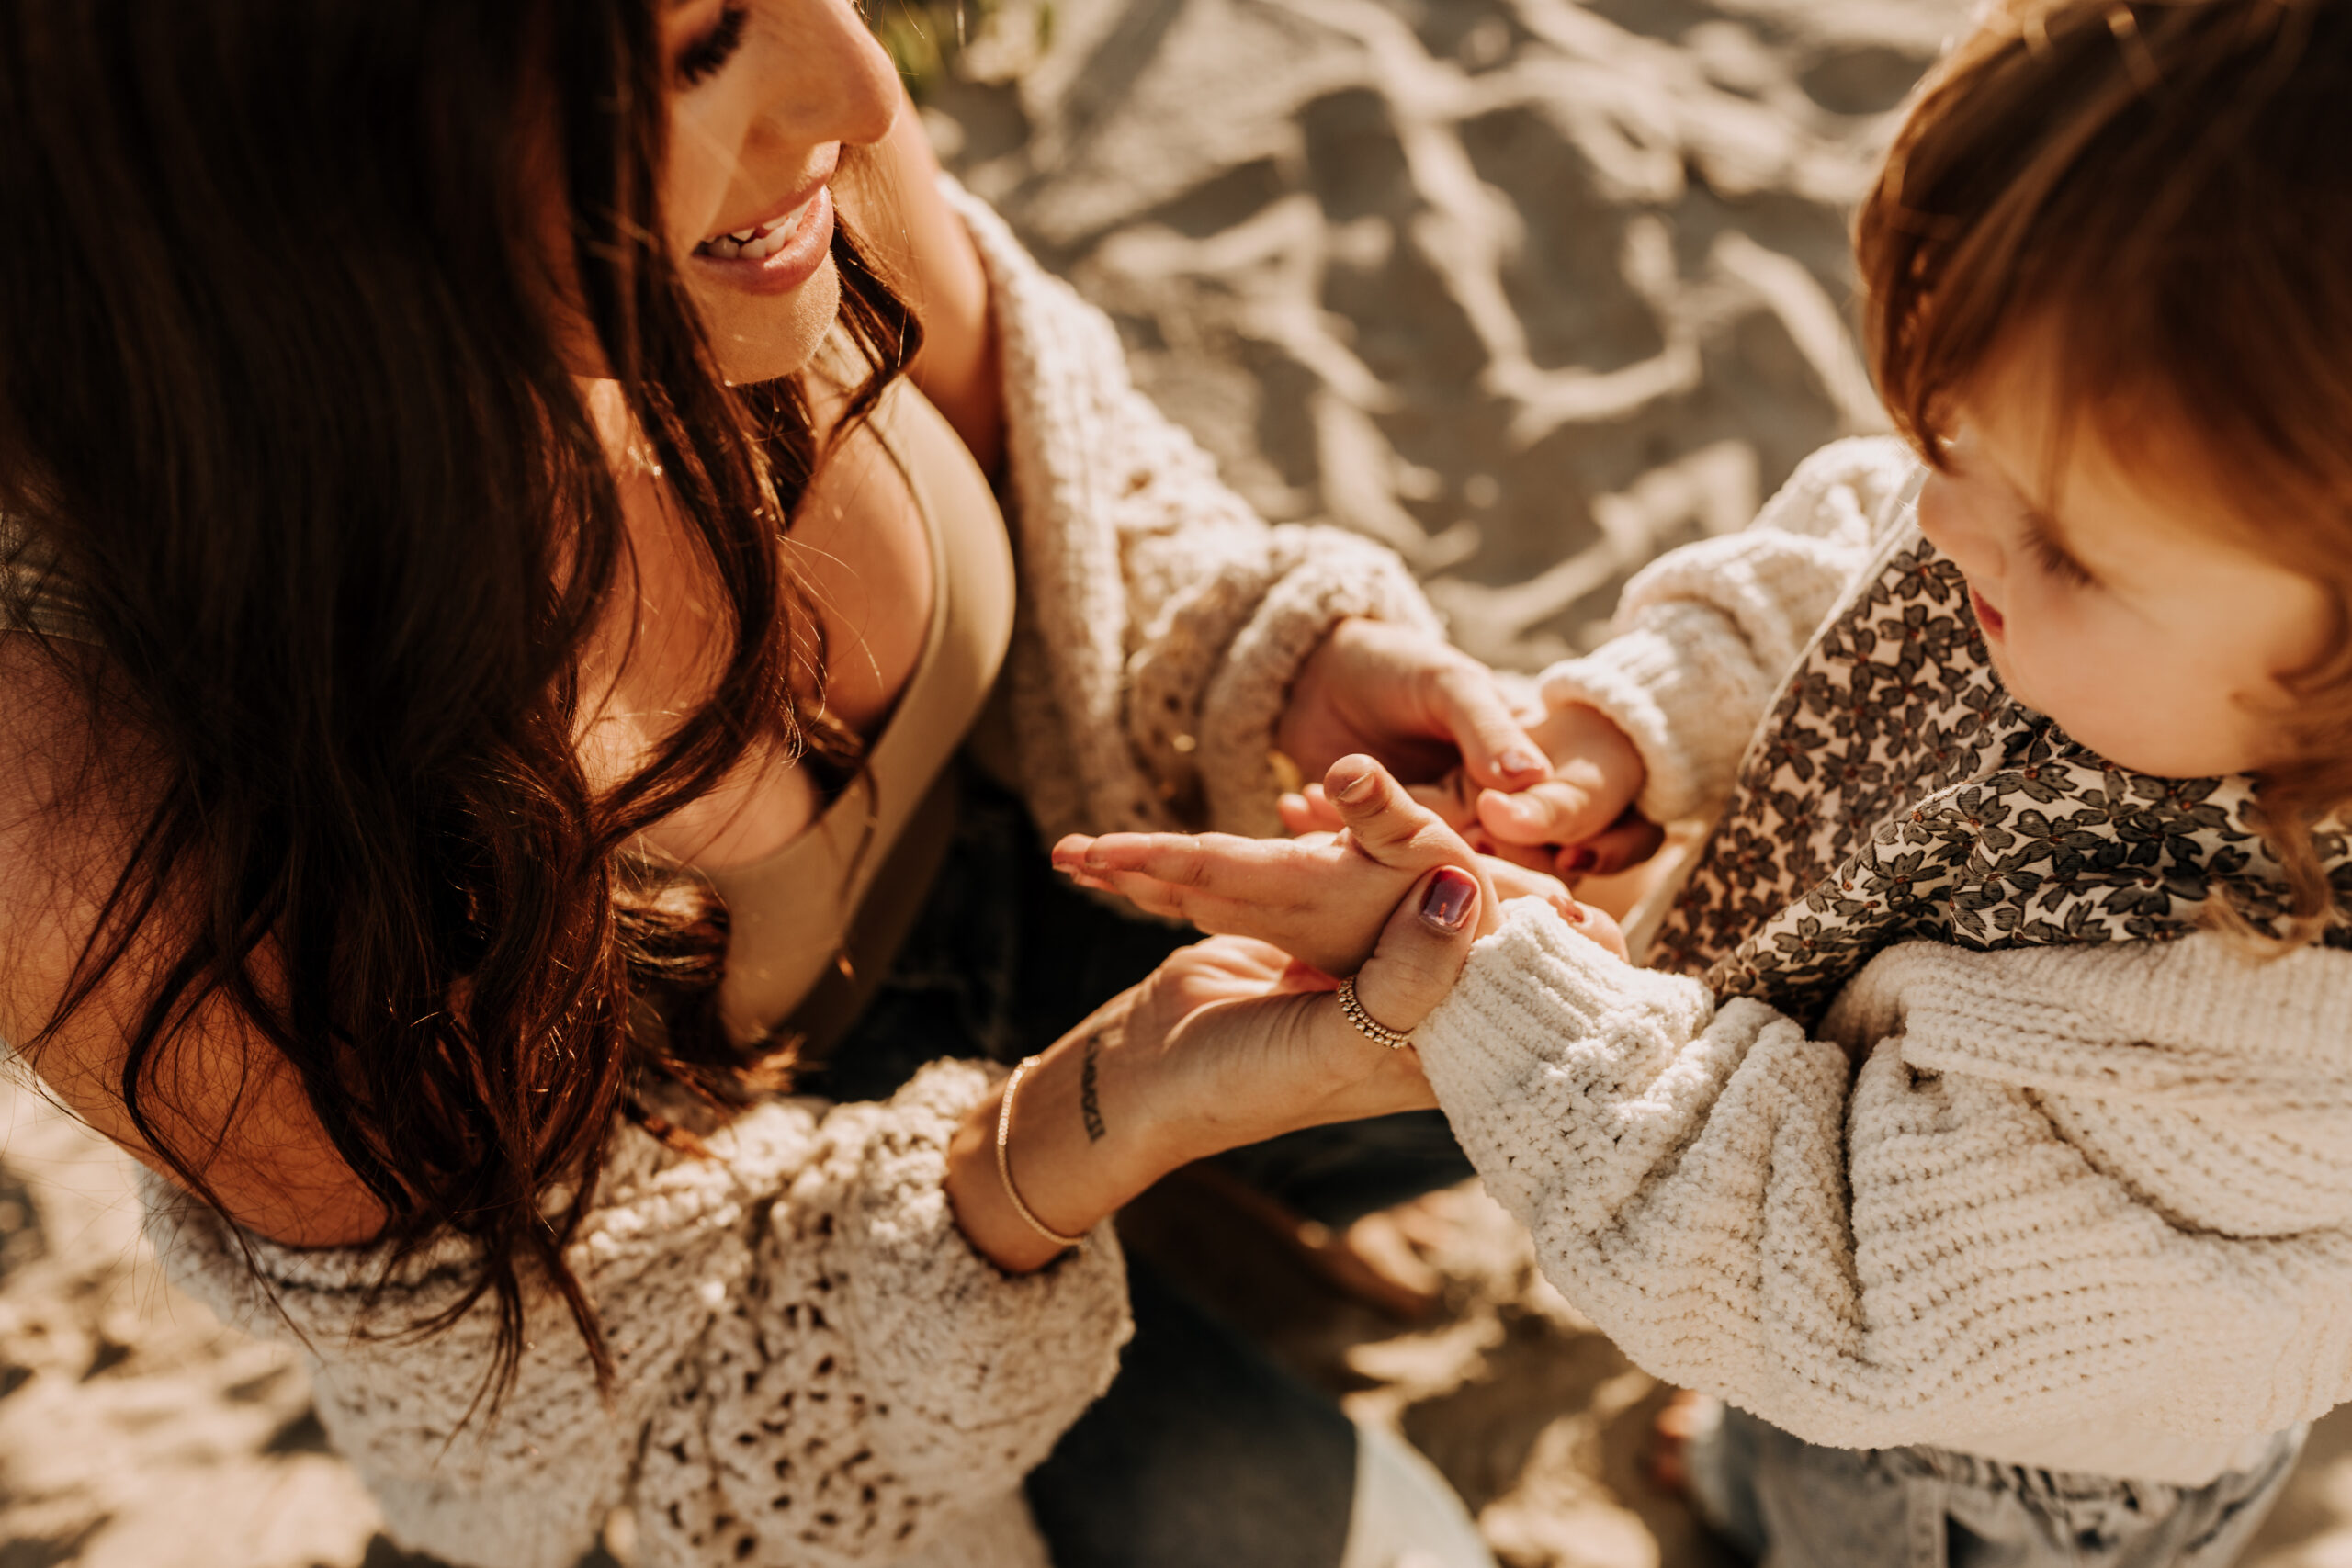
(2160,193)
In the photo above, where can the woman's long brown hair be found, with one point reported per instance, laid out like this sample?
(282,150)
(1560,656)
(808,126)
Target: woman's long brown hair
(281,398)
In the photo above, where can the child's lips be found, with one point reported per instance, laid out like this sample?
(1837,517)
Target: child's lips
(1987,616)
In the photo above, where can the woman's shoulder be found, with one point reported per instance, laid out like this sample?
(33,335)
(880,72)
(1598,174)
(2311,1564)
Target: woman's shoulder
(77,783)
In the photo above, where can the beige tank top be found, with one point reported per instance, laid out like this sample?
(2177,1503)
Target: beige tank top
(815,925)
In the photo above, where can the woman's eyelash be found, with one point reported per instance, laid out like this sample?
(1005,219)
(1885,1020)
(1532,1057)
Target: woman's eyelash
(703,58)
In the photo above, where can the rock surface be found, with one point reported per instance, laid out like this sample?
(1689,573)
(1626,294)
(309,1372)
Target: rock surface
(1530,289)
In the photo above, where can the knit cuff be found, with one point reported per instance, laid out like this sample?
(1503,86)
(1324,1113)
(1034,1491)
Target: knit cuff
(973,1373)
(1542,1052)
(1681,685)
(1336,575)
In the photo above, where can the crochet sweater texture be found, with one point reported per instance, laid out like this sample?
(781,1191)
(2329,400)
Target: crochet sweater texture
(2085,1207)
(815,1366)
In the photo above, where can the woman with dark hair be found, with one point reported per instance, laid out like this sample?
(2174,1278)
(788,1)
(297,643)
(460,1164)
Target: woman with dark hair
(496,580)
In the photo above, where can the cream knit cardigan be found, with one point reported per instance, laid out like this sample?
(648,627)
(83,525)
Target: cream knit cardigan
(2086,1208)
(815,1367)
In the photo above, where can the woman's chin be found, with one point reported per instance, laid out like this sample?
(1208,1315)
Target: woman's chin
(764,338)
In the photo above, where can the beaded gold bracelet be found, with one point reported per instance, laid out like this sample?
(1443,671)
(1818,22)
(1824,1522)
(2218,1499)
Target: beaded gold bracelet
(1352,1006)
(1004,1161)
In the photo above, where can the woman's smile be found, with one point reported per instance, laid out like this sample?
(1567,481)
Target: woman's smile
(777,253)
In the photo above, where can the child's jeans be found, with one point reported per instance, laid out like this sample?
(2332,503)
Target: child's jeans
(1791,1503)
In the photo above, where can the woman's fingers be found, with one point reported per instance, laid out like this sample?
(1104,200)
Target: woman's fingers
(1496,749)
(1263,870)
(1212,912)
(1422,950)
(1389,825)
(1453,798)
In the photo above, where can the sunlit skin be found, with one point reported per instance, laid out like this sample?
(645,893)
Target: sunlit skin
(789,108)
(764,107)
(2115,597)
(773,101)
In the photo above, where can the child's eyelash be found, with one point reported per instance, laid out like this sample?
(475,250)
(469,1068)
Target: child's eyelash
(2055,561)
(703,58)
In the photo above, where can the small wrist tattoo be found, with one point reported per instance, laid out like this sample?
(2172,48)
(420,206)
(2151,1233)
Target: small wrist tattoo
(1089,1104)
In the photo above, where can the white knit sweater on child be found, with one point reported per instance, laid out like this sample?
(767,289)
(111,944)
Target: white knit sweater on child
(2087,1208)
(815,1366)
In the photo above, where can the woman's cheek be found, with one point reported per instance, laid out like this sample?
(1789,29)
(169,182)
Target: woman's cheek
(704,143)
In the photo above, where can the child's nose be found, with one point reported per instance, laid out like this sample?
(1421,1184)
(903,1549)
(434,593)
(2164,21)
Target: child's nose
(1948,524)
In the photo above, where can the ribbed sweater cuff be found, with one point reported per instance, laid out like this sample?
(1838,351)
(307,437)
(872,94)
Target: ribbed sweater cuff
(1541,1048)
(1674,683)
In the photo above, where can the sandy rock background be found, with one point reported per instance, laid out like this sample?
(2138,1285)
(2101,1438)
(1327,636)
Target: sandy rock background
(1530,289)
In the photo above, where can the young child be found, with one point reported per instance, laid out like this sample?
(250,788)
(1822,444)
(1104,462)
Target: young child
(1987,1145)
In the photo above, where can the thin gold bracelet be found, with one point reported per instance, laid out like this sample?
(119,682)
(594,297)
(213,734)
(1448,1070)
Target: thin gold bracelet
(1004,1161)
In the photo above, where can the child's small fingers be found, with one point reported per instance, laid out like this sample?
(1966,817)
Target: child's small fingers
(1455,798)
(1307,812)
(1070,851)
(1629,841)
(1553,812)
(1531,857)
(1510,880)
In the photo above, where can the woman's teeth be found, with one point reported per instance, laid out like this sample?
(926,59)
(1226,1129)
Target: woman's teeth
(754,244)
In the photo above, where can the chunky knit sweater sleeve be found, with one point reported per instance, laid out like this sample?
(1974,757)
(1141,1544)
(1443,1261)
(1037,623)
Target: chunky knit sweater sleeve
(2086,1207)
(1705,634)
(1161,621)
(814,1367)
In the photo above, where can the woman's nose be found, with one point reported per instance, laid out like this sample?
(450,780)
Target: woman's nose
(837,83)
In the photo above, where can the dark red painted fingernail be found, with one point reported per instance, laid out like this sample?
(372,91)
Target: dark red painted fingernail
(1446,906)
(1581,858)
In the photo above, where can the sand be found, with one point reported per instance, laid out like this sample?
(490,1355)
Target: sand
(1529,289)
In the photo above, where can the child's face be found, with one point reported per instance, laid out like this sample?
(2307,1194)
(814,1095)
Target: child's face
(2111,597)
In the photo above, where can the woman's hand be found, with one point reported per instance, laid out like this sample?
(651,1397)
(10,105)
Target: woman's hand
(1228,1042)
(1419,705)
(1323,897)
(1576,819)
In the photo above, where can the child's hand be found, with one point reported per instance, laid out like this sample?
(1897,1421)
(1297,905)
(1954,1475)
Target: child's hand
(1323,899)
(1580,821)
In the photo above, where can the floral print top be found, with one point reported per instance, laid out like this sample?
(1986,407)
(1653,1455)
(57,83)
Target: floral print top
(1896,791)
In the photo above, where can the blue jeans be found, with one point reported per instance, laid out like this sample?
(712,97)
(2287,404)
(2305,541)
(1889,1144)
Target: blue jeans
(1205,1453)
(1791,1503)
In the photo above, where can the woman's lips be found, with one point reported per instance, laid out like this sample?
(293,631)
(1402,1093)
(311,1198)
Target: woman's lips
(784,252)
(1987,616)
